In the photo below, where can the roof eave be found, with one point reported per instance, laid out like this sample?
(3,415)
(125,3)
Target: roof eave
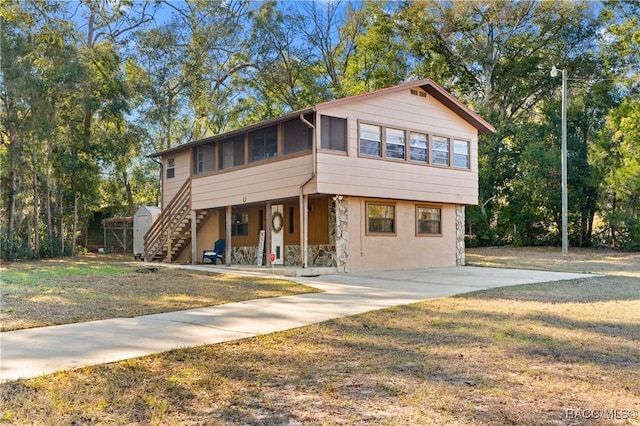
(232,133)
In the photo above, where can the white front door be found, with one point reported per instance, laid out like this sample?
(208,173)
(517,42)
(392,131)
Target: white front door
(277,233)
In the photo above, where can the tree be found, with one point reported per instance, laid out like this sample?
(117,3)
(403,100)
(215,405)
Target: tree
(215,39)
(379,59)
(496,56)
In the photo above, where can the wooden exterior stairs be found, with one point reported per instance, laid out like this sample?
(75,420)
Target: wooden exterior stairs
(170,234)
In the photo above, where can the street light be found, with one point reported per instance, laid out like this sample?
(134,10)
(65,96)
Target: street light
(565,240)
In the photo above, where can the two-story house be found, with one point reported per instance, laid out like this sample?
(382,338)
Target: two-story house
(377,181)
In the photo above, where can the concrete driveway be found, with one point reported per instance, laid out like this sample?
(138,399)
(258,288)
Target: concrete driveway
(33,352)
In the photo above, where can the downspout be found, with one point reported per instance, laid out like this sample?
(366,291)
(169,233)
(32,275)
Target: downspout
(161,185)
(304,202)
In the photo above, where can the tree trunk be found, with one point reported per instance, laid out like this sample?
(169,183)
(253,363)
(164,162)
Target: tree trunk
(75,218)
(13,189)
(47,181)
(127,185)
(36,210)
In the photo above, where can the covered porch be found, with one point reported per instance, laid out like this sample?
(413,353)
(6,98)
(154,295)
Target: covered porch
(297,232)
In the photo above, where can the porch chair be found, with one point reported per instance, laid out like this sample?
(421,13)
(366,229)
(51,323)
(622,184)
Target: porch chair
(217,253)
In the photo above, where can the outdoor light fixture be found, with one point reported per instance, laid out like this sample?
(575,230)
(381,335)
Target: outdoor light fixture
(565,239)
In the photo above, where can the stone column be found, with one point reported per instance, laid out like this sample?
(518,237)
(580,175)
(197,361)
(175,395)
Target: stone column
(342,233)
(460,250)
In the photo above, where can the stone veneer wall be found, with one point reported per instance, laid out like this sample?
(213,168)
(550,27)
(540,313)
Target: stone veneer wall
(321,255)
(340,233)
(244,255)
(460,249)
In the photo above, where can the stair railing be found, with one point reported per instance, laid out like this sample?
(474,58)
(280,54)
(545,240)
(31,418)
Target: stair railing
(157,239)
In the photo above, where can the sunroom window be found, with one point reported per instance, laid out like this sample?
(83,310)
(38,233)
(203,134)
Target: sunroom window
(232,152)
(418,147)
(204,159)
(370,140)
(333,131)
(394,147)
(440,151)
(461,154)
(296,136)
(263,144)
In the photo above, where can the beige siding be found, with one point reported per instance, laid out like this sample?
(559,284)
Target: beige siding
(404,250)
(271,181)
(354,175)
(389,179)
(182,172)
(208,234)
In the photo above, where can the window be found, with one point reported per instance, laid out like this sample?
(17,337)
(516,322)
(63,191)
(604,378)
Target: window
(296,136)
(171,168)
(263,144)
(370,140)
(291,220)
(461,154)
(232,152)
(394,143)
(418,147)
(381,218)
(429,220)
(240,224)
(333,133)
(204,159)
(440,151)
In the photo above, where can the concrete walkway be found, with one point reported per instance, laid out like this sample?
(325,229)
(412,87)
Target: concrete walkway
(33,352)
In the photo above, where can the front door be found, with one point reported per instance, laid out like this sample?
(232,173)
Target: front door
(277,233)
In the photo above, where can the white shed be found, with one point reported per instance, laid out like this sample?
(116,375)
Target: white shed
(142,221)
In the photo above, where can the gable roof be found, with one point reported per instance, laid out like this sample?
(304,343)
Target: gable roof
(432,88)
(428,85)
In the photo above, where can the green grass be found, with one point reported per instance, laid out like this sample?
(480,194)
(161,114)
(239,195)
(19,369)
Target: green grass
(56,275)
(62,291)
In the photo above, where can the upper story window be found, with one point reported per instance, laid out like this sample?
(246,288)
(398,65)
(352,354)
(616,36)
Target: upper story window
(370,140)
(461,154)
(171,167)
(381,218)
(440,151)
(232,152)
(418,147)
(296,136)
(204,159)
(263,144)
(333,133)
(395,144)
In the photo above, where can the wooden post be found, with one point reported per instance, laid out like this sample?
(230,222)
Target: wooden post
(169,254)
(305,230)
(227,251)
(194,242)
(269,230)
(301,215)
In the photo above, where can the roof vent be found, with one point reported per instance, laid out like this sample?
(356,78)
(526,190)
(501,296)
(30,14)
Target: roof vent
(418,93)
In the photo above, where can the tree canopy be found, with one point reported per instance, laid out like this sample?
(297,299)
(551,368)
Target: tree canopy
(89,88)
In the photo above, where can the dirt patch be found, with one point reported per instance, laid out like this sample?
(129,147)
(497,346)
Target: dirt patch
(598,261)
